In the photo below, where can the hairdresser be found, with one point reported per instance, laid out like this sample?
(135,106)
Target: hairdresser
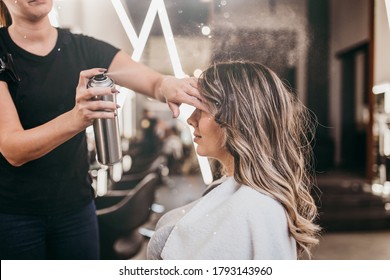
(46,203)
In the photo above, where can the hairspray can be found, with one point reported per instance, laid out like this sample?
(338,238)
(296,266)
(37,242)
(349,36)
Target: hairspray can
(107,137)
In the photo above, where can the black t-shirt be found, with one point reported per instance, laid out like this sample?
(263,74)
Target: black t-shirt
(58,181)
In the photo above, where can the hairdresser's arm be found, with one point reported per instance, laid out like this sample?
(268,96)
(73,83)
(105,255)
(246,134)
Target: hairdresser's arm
(140,78)
(19,145)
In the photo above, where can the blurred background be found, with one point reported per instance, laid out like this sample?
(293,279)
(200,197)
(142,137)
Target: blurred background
(334,54)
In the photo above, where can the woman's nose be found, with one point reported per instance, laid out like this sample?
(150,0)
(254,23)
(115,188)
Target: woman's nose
(192,120)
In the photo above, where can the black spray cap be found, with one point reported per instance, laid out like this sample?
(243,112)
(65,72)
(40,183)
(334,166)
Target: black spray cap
(100,77)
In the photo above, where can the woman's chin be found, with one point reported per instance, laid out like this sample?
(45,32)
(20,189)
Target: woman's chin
(200,152)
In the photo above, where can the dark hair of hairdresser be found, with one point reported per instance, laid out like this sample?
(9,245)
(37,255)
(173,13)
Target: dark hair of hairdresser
(269,133)
(5,17)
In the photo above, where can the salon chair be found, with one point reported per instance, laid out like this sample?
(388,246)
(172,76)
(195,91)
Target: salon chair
(120,213)
(142,168)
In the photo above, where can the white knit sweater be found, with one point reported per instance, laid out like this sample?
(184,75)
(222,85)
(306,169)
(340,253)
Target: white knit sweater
(231,221)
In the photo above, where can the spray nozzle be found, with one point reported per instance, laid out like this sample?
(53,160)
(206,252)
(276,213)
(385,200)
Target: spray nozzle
(100,77)
(7,66)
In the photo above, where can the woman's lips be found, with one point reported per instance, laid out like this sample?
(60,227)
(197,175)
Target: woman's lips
(197,137)
(37,2)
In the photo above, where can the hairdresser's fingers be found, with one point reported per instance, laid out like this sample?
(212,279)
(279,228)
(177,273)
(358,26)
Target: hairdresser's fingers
(190,97)
(99,105)
(102,115)
(87,94)
(84,113)
(188,86)
(193,90)
(97,92)
(90,116)
(174,108)
(194,101)
(190,94)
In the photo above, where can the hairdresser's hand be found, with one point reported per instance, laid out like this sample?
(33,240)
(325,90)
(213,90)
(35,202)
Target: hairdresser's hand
(177,91)
(87,107)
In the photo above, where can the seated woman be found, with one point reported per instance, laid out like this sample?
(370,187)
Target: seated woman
(262,208)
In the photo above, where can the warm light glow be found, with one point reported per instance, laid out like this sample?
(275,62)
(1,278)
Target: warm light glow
(157,7)
(197,73)
(386,188)
(377,189)
(206,30)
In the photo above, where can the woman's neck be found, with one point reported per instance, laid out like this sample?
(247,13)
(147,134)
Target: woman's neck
(38,38)
(228,164)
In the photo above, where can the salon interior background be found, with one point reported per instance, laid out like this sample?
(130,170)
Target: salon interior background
(331,52)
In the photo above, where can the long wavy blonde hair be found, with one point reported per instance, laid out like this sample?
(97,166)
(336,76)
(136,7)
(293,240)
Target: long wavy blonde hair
(268,132)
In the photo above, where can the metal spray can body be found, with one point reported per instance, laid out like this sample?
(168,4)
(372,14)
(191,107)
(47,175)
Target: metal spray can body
(107,137)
